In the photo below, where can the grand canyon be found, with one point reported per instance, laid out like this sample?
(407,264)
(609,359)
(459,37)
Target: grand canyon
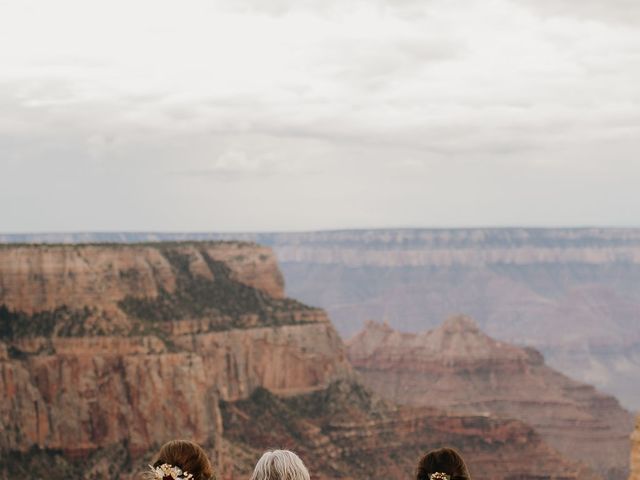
(106,351)
(359,230)
(571,293)
(458,368)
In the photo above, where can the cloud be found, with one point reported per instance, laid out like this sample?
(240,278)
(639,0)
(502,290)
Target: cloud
(287,101)
(615,11)
(236,164)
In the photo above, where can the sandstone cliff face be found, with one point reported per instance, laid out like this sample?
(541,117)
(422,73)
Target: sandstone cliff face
(635,452)
(458,368)
(518,283)
(89,356)
(49,276)
(108,351)
(88,393)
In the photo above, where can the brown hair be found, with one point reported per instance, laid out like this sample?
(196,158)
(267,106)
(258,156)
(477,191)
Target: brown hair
(187,456)
(443,460)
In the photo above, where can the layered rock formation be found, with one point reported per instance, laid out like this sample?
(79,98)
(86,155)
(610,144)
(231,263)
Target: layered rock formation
(518,283)
(106,351)
(635,452)
(50,276)
(105,345)
(459,368)
(345,432)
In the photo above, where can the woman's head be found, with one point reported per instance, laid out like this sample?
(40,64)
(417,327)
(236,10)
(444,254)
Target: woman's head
(442,460)
(280,465)
(187,456)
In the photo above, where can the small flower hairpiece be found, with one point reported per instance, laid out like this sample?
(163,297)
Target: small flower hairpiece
(167,470)
(439,476)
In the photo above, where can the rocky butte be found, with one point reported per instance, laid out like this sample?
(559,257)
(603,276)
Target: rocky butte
(458,368)
(107,351)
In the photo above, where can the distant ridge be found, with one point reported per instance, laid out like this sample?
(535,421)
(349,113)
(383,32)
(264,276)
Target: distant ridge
(457,367)
(574,236)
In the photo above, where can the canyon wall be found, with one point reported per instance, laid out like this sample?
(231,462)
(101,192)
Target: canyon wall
(51,276)
(346,432)
(107,351)
(101,345)
(582,284)
(458,368)
(573,294)
(635,452)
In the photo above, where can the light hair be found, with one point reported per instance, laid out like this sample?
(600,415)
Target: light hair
(280,465)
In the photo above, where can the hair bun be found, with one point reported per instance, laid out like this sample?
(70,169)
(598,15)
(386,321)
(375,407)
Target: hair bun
(439,476)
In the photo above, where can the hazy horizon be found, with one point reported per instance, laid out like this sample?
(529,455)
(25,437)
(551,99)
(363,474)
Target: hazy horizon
(324,230)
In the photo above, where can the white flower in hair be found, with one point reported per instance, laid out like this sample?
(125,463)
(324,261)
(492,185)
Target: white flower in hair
(167,470)
(439,476)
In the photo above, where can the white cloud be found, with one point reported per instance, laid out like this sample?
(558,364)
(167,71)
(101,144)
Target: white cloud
(310,99)
(616,11)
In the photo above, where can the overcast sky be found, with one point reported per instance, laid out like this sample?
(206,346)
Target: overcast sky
(296,114)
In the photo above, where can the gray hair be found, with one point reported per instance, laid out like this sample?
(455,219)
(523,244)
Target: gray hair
(280,465)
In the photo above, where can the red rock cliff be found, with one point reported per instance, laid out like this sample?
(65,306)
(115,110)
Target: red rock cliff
(105,343)
(635,452)
(108,351)
(48,276)
(458,368)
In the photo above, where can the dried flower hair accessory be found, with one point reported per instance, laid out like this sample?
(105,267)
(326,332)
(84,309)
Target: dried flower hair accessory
(439,476)
(166,470)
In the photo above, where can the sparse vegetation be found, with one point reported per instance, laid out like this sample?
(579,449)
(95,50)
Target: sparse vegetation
(62,322)
(50,464)
(227,302)
(196,296)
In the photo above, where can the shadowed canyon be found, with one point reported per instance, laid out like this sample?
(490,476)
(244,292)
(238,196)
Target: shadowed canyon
(107,351)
